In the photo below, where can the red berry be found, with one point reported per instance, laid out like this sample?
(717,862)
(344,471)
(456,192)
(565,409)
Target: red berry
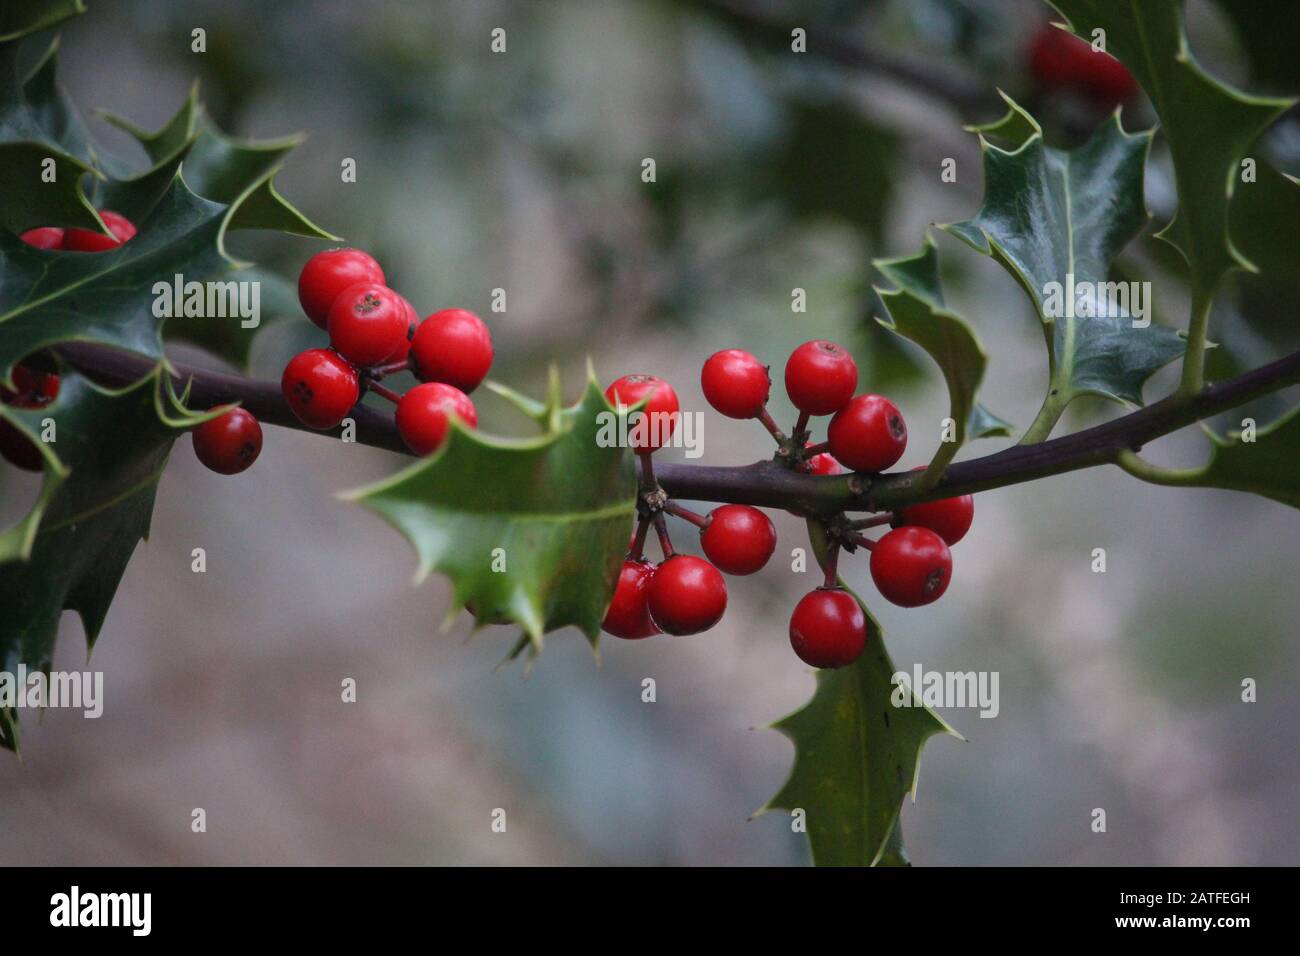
(122,228)
(949,518)
(229,443)
(328,273)
(32,389)
(46,237)
(911,566)
(828,628)
(823,464)
(868,434)
(91,240)
(687,595)
(738,539)
(1054,57)
(653,429)
(629,614)
(412,323)
(1106,80)
(1060,60)
(320,387)
(367,324)
(735,383)
(85,240)
(424,415)
(452,346)
(820,377)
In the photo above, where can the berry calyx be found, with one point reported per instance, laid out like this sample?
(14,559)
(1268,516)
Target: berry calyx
(687,595)
(949,518)
(911,566)
(655,426)
(735,383)
(628,616)
(868,434)
(424,415)
(738,539)
(328,273)
(229,443)
(828,628)
(367,323)
(90,240)
(820,377)
(320,387)
(44,237)
(452,346)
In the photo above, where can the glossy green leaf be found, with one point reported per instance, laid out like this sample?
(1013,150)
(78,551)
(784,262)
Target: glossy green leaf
(917,312)
(1207,124)
(551,514)
(857,756)
(95,504)
(1053,218)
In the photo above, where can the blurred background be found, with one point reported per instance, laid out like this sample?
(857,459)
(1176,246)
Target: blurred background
(774,171)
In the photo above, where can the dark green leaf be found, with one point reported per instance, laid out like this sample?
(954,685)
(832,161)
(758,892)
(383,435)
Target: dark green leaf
(1055,217)
(856,756)
(559,507)
(917,312)
(1207,124)
(95,503)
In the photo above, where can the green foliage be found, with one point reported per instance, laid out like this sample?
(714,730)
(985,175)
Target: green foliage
(917,312)
(1268,465)
(70,550)
(856,756)
(529,531)
(1049,215)
(1207,124)
(94,506)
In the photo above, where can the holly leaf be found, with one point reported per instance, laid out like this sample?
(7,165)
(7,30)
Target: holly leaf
(1207,124)
(18,18)
(43,181)
(50,297)
(916,311)
(530,531)
(984,424)
(1265,219)
(857,755)
(1268,464)
(95,504)
(1056,220)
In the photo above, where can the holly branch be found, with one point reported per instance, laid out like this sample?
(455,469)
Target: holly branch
(767,483)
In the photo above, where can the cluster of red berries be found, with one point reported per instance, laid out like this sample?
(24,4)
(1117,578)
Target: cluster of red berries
(910,565)
(36,384)
(1061,61)
(375,332)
